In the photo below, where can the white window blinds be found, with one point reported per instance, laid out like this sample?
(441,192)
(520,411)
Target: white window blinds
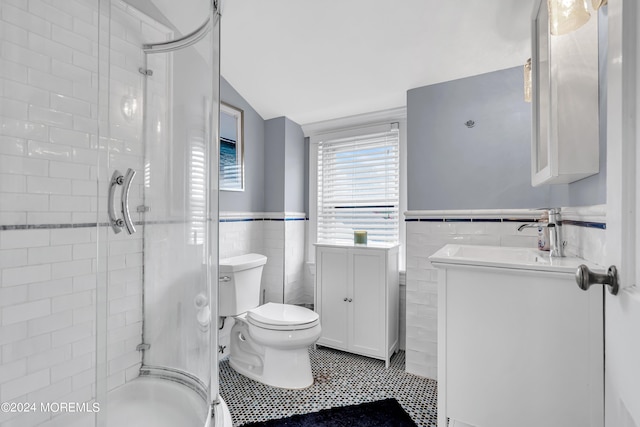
(359,187)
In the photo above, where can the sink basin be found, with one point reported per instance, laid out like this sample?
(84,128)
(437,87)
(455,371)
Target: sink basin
(508,257)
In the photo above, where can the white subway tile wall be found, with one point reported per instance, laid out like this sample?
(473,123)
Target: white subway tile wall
(585,242)
(425,238)
(49,160)
(281,241)
(239,237)
(273,248)
(295,291)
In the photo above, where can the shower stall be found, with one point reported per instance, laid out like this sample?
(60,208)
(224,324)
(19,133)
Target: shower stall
(108,213)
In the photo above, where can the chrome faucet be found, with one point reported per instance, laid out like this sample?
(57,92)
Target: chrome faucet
(556,244)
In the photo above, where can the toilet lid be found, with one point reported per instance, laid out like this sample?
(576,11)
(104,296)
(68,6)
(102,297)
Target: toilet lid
(274,314)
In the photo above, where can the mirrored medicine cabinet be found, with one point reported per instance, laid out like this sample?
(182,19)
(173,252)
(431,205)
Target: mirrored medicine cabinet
(565,125)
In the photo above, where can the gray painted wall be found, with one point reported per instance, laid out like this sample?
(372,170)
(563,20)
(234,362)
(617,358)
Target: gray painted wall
(274,160)
(305,200)
(450,166)
(284,166)
(252,199)
(295,172)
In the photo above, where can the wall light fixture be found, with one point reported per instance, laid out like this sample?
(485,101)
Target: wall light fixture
(567,15)
(597,4)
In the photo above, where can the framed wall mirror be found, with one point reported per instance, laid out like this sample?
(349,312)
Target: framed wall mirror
(231,148)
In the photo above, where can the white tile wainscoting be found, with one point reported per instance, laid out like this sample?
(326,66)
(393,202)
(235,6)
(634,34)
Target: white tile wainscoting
(280,236)
(297,290)
(428,231)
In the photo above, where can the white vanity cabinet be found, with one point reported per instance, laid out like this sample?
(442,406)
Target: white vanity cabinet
(357,298)
(565,122)
(519,343)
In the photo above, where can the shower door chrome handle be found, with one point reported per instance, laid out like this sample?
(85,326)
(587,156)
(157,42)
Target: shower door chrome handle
(116,223)
(125,201)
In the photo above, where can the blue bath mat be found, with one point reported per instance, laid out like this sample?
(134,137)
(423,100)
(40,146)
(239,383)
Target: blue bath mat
(382,413)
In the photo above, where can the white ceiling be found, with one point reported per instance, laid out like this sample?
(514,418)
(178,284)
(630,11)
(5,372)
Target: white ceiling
(319,60)
(314,60)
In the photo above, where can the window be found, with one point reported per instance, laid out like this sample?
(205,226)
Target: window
(358,187)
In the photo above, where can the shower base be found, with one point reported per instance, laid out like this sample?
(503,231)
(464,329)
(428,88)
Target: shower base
(160,403)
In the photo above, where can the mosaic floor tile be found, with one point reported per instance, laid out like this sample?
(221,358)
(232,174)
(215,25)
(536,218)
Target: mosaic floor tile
(340,379)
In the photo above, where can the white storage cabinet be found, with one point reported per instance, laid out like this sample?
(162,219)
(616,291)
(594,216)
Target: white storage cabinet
(357,298)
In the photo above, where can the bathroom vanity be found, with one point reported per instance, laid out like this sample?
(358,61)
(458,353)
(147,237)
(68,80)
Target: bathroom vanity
(357,297)
(519,343)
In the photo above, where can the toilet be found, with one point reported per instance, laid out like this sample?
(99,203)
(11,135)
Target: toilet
(269,343)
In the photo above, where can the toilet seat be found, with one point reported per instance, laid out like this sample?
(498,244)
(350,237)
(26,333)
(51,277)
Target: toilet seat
(282,317)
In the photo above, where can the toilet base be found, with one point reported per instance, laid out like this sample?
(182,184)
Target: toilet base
(290,369)
(272,357)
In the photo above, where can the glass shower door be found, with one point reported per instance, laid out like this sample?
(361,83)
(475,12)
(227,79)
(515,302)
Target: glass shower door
(158,230)
(181,121)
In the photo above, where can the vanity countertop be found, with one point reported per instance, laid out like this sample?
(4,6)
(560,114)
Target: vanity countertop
(508,257)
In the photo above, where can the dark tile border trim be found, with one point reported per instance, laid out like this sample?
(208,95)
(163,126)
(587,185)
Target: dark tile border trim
(240,220)
(587,224)
(86,225)
(105,224)
(50,226)
(470,220)
(262,219)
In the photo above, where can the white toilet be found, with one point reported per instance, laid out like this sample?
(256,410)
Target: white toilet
(268,342)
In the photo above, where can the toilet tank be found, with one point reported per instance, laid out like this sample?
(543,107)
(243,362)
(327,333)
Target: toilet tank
(239,283)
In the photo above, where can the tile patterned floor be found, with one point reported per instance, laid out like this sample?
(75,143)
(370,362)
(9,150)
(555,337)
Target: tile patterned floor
(340,379)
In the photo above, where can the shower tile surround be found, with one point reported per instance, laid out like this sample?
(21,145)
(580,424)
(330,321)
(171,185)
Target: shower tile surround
(50,158)
(428,231)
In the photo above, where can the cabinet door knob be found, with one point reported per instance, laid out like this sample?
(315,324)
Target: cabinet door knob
(345,300)
(350,300)
(585,278)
